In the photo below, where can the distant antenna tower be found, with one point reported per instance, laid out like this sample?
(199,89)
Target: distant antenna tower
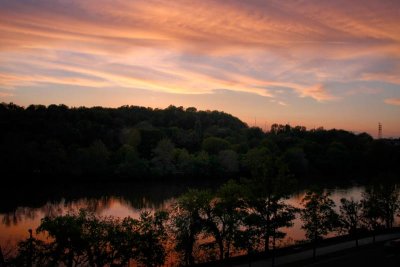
(379,130)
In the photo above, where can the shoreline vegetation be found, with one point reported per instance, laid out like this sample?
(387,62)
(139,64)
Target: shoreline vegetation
(240,218)
(131,143)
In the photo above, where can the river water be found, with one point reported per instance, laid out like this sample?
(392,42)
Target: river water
(24,208)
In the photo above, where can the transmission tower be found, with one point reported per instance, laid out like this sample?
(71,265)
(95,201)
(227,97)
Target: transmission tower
(379,130)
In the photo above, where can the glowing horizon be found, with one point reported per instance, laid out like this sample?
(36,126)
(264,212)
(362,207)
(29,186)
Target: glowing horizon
(334,64)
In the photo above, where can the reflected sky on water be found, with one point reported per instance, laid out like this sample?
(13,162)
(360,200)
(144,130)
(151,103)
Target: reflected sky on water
(15,222)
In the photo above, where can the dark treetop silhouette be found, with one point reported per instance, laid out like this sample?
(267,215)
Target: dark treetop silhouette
(133,143)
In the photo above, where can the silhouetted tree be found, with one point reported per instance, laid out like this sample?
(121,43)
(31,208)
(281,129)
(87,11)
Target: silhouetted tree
(84,239)
(31,252)
(351,216)
(188,222)
(150,250)
(267,190)
(224,216)
(380,204)
(87,142)
(388,202)
(318,216)
(371,211)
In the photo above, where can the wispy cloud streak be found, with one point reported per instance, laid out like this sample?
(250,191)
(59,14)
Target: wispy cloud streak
(302,48)
(393,101)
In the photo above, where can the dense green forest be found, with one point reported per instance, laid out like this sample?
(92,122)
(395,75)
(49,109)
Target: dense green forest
(133,143)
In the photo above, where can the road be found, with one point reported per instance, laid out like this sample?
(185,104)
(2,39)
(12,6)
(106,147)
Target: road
(326,250)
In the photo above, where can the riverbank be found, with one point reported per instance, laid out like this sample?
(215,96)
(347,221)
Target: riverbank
(302,254)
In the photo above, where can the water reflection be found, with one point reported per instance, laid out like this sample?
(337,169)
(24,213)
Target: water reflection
(25,210)
(22,207)
(126,201)
(55,209)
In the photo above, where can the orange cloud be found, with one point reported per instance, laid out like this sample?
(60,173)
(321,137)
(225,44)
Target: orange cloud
(142,44)
(318,92)
(387,77)
(4,94)
(199,26)
(12,80)
(393,101)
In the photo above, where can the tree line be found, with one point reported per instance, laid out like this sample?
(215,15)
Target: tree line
(247,216)
(134,143)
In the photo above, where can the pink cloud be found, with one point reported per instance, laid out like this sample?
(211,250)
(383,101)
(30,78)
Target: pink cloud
(5,95)
(199,26)
(156,34)
(318,92)
(393,101)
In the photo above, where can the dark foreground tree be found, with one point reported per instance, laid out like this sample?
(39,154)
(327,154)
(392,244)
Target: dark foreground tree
(150,249)
(187,222)
(351,217)
(372,213)
(266,192)
(84,239)
(318,216)
(388,201)
(31,252)
(224,217)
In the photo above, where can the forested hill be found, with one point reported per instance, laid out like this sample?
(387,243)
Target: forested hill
(134,143)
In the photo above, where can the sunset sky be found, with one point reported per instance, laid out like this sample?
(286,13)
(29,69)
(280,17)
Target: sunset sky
(325,63)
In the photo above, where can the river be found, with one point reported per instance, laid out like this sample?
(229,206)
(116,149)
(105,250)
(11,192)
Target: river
(22,208)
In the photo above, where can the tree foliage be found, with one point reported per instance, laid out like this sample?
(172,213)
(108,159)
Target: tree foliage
(84,239)
(351,216)
(129,143)
(318,216)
